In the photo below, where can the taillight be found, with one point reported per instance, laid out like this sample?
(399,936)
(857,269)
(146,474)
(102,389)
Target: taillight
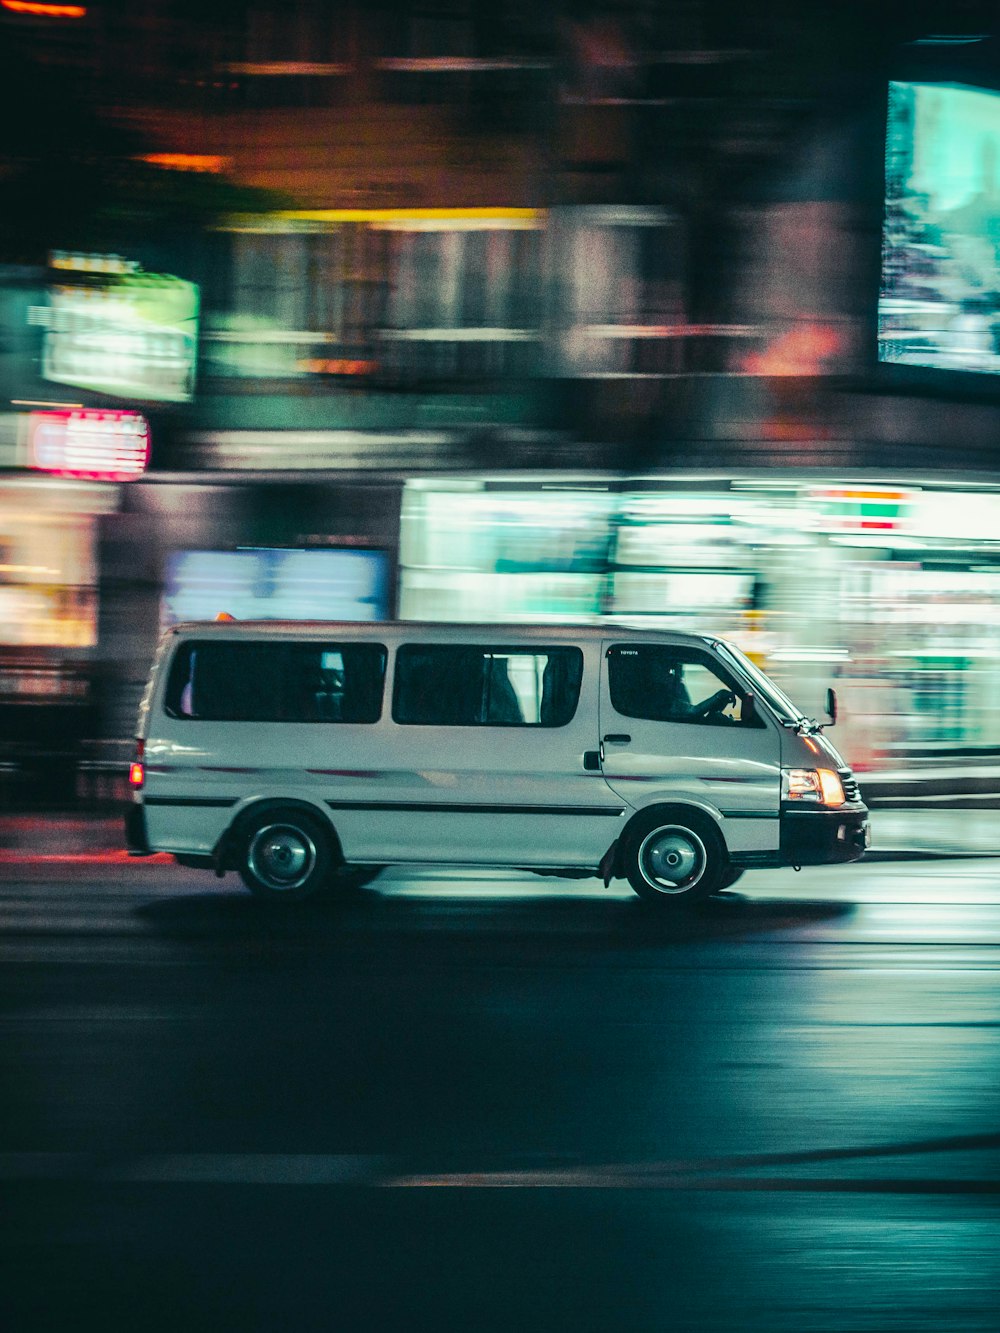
(137,769)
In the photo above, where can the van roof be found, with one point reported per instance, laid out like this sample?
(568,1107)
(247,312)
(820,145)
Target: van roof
(432,629)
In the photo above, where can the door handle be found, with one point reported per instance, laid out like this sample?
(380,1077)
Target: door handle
(618,736)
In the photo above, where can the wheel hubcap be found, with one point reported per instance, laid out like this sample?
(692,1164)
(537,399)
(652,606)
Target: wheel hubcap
(672,860)
(281,856)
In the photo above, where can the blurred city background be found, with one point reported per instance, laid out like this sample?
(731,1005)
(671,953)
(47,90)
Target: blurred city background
(685,313)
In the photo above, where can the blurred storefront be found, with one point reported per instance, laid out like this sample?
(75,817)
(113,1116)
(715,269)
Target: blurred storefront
(49,613)
(889,593)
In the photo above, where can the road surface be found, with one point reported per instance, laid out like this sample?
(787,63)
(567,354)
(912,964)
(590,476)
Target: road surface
(473,1101)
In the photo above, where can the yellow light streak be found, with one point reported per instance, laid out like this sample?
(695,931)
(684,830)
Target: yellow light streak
(402,219)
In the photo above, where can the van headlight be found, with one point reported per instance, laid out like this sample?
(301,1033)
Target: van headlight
(821,786)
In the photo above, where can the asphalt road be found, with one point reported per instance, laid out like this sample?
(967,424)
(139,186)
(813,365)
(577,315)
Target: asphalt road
(476,1102)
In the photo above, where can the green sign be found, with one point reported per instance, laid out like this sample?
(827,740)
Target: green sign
(132,335)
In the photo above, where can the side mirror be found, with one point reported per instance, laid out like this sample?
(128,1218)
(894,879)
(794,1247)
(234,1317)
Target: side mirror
(831,706)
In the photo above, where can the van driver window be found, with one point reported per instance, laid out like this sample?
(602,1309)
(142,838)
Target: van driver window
(667,684)
(276,682)
(474,685)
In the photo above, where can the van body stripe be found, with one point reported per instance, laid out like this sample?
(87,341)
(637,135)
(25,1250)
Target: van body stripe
(207,802)
(449,808)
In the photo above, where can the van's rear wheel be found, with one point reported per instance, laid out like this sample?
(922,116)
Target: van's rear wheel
(285,855)
(674,859)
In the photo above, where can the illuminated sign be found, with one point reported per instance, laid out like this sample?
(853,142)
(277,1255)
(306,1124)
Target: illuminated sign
(88,443)
(112,328)
(72,261)
(861,508)
(276,584)
(938,304)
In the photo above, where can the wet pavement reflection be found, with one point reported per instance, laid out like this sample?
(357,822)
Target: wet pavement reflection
(477,1100)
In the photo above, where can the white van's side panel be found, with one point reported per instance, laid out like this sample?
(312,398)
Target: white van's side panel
(493,795)
(200,774)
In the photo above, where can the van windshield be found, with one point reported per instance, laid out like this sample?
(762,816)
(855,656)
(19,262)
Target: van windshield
(765,687)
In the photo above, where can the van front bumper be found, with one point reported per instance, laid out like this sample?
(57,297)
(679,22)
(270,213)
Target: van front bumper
(820,837)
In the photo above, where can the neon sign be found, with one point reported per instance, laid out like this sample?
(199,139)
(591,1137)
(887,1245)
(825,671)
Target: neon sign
(89,443)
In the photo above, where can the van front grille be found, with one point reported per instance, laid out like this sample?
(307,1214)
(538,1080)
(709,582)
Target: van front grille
(851,789)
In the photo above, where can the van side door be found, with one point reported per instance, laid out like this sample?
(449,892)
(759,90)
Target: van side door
(490,757)
(675,727)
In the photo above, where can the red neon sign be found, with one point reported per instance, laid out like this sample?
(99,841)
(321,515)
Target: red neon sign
(89,443)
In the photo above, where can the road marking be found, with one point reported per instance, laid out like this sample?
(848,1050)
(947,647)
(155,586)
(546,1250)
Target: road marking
(375,1171)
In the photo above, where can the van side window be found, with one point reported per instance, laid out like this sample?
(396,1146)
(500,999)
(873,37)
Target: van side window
(276,682)
(473,685)
(665,684)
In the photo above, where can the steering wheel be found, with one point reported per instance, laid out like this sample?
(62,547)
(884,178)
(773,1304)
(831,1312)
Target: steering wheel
(719,701)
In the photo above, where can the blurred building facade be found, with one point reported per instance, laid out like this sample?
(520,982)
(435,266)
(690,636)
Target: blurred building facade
(623,255)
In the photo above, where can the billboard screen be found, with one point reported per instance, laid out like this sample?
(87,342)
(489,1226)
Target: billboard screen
(939,303)
(276,584)
(129,334)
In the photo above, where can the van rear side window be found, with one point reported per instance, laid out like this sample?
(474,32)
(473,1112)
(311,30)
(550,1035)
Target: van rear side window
(472,685)
(213,681)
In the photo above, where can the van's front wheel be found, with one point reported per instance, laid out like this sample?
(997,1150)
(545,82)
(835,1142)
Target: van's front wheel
(286,856)
(674,859)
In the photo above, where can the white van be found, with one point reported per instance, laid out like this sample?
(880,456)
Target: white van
(310,755)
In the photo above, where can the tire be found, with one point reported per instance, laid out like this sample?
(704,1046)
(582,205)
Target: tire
(285,855)
(730,876)
(674,858)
